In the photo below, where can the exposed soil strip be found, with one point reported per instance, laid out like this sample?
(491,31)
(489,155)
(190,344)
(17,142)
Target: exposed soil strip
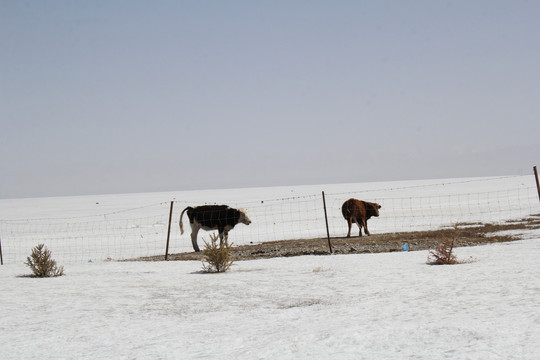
(465,234)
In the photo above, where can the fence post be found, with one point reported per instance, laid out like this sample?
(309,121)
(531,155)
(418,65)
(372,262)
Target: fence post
(537,183)
(1,256)
(326,220)
(169,231)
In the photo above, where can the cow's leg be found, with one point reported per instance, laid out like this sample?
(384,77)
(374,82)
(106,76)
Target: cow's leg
(194,232)
(221,235)
(359,227)
(365,228)
(349,222)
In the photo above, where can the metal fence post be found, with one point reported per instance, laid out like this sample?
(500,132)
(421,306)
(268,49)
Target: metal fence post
(537,183)
(326,219)
(169,231)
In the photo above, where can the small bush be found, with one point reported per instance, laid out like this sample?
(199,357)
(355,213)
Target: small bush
(217,256)
(41,263)
(442,254)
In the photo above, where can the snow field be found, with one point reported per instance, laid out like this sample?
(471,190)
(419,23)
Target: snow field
(390,306)
(79,229)
(369,306)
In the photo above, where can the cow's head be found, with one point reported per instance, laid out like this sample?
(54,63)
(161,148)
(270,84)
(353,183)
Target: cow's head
(244,218)
(373,209)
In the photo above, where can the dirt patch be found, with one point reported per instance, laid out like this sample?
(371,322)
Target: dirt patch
(465,234)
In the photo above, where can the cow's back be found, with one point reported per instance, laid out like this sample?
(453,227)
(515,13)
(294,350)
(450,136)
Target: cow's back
(213,215)
(354,209)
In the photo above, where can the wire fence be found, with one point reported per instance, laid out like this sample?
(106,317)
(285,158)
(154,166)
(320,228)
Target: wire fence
(143,231)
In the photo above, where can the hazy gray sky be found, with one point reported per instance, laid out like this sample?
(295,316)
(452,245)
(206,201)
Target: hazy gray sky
(135,96)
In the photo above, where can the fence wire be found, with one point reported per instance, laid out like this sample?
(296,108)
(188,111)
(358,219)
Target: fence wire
(142,231)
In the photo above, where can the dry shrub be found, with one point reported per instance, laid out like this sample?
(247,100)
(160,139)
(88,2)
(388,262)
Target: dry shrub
(218,257)
(442,254)
(41,263)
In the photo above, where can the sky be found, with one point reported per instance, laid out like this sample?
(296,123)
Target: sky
(103,97)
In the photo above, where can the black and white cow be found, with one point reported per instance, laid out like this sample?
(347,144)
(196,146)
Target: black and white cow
(213,217)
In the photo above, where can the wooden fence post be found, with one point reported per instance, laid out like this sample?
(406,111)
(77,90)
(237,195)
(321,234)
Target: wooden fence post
(169,231)
(326,219)
(537,183)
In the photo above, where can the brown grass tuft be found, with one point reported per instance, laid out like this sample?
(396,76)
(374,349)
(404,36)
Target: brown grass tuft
(218,257)
(41,263)
(442,254)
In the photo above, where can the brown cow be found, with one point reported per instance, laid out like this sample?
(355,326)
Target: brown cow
(359,211)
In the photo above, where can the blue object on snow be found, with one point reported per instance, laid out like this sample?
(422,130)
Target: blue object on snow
(90,261)
(405,247)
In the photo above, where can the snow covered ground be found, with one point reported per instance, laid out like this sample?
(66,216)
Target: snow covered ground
(384,306)
(83,228)
(371,306)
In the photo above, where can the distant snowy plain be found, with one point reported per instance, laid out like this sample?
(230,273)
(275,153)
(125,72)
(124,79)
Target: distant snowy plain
(96,228)
(370,306)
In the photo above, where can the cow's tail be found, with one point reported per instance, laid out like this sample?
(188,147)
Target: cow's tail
(180,222)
